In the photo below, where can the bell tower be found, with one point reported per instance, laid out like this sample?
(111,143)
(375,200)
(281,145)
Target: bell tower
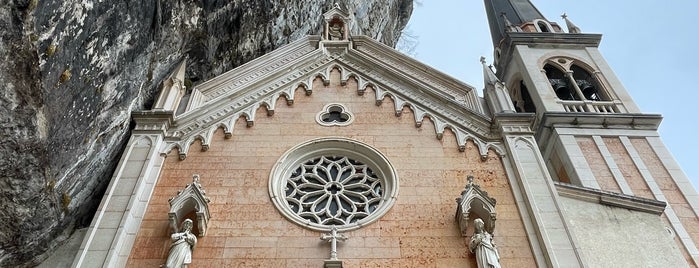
(563,79)
(589,131)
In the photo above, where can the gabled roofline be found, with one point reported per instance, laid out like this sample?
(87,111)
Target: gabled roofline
(447,102)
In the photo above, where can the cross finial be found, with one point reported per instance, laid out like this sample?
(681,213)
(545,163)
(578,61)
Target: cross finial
(195,178)
(470,179)
(332,238)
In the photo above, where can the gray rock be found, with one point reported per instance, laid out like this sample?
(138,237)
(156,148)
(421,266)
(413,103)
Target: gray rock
(72,72)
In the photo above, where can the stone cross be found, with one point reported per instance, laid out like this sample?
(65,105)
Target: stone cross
(333,237)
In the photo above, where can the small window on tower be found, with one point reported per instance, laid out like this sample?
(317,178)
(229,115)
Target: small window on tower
(522,100)
(543,26)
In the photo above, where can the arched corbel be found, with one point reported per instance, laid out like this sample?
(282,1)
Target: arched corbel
(190,200)
(475,203)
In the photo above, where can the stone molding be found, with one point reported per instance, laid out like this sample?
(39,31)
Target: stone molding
(475,203)
(551,121)
(610,198)
(240,92)
(192,199)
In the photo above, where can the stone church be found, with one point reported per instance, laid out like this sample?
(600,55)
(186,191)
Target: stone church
(339,151)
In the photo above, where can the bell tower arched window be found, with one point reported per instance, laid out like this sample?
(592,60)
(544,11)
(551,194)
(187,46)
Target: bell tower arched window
(560,83)
(572,82)
(587,83)
(522,100)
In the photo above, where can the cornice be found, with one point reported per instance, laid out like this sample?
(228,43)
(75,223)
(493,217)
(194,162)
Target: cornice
(552,120)
(240,92)
(440,83)
(539,39)
(611,198)
(283,58)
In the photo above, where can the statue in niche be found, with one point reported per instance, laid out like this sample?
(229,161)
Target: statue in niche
(483,247)
(336,31)
(182,245)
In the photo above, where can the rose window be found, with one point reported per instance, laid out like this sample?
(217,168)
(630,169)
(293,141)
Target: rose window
(333,182)
(333,190)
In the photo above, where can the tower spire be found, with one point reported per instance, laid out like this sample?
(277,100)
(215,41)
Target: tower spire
(516,13)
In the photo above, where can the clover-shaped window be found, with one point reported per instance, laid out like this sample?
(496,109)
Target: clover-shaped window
(334,114)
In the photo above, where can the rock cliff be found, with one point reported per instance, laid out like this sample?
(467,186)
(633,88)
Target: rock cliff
(72,72)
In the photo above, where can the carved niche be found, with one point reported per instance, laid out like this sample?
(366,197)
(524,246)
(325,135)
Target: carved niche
(190,200)
(336,24)
(475,203)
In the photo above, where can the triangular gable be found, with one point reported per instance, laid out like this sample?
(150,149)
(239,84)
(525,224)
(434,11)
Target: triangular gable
(447,102)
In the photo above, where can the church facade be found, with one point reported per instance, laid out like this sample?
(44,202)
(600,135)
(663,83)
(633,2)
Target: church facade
(338,151)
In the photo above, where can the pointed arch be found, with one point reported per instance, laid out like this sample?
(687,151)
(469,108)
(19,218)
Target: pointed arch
(346,76)
(475,203)
(143,141)
(497,148)
(192,199)
(323,76)
(559,82)
(521,95)
(363,84)
(588,84)
(520,141)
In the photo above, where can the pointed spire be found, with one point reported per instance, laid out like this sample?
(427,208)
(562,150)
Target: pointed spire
(488,75)
(508,25)
(172,89)
(571,27)
(180,69)
(516,12)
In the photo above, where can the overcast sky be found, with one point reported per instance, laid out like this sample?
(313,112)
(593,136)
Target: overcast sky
(651,45)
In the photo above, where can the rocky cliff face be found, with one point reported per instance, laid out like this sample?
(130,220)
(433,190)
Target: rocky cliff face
(72,72)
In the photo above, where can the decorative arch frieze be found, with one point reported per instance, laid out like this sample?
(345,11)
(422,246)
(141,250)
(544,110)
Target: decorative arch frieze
(475,203)
(246,105)
(192,199)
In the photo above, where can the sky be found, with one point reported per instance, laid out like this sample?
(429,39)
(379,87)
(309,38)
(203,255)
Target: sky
(651,45)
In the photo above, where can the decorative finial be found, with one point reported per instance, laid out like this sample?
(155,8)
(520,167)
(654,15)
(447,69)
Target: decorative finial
(336,5)
(508,25)
(195,178)
(489,76)
(571,26)
(470,179)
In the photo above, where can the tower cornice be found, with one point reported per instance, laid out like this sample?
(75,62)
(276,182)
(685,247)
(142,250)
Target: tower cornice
(533,39)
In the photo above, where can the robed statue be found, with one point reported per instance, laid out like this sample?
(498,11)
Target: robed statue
(181,248)
(483,247)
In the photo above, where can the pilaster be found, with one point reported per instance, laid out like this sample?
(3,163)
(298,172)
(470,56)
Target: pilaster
(112,233)
(538,191)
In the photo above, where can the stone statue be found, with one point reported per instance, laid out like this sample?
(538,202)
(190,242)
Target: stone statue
(335,31)
(483,247)
(182,245)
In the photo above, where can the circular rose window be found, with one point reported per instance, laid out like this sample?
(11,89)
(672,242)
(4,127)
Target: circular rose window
(333,182)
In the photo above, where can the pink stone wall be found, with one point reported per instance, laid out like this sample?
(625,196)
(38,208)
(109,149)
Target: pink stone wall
(246,230)
(599,167)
